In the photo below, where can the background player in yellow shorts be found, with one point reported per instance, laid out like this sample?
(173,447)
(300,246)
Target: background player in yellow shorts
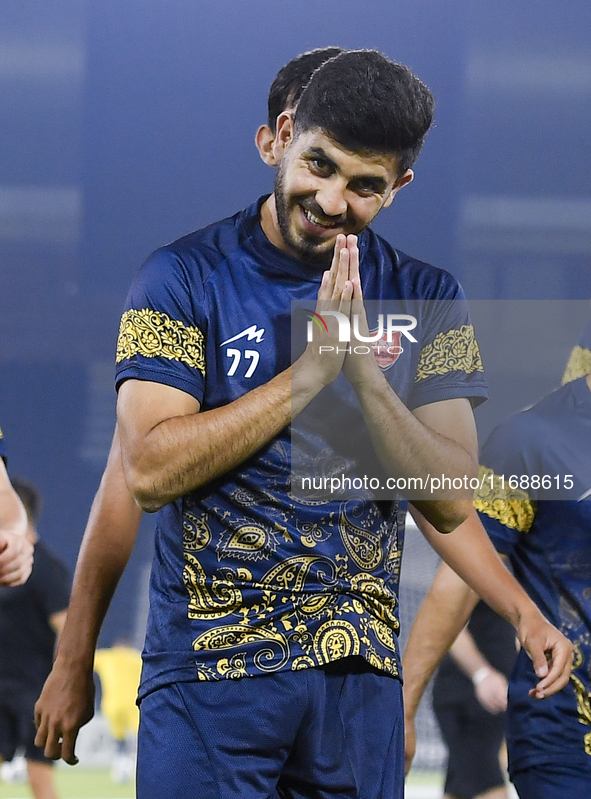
(119,670)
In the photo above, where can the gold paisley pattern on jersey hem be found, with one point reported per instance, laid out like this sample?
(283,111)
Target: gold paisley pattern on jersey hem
(578,365)
(510,506)
(153,334)
(455,350)
(265,607)
(276,623)
(583,700)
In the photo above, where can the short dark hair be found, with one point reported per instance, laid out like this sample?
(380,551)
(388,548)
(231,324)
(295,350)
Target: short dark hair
(365,101)
(291,80)
(30,497)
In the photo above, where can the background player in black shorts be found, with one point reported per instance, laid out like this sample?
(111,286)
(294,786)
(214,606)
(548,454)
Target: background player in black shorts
(31,616)
(469,700)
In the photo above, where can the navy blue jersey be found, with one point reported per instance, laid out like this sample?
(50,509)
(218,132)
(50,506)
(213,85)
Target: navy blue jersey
(248,579)
(548,542)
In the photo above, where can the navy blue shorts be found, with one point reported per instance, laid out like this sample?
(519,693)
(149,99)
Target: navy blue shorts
(335,731)
(553,782)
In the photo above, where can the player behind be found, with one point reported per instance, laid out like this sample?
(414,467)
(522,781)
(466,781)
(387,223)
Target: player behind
(228,462)
(31,616)
(68,698)
(546,536)
(119,669)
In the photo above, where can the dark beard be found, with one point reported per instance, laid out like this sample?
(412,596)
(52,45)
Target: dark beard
(304,250)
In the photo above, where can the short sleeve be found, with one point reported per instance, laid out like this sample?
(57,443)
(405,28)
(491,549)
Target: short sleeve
(449,363)
(161,335)
(506,512)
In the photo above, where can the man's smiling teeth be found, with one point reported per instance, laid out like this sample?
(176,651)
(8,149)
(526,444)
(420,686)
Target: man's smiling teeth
(315,221)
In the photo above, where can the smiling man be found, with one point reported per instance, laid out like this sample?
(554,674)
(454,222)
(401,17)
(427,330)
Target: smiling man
(271,664)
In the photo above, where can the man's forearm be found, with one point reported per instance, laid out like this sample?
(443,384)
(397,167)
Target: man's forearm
(105,550)
(184,452)
(467,655)
(410,448)
(470,553)
(443,614)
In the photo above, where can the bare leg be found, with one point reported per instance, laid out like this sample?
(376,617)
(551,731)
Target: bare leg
(41,780)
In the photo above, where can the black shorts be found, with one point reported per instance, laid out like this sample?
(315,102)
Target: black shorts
(473,737)
(17,727)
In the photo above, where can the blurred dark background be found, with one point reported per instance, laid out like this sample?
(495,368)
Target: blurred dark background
(127,124)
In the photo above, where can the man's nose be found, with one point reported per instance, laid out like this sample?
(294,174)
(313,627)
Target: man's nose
(331,198)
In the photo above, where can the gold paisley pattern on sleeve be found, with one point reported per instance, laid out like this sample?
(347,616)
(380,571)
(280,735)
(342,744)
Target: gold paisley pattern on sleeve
(454,351)
(510,506)
(154,334)
(579,365)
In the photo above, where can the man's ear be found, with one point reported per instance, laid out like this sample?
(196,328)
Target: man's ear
(283,135)
(263,139)
(400,184)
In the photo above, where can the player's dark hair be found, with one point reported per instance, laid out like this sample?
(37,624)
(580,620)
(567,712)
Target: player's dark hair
(366,102)
(291,80)
(30,497)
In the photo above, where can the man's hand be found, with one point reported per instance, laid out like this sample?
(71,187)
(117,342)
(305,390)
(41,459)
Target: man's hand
(551,653)
(362,366)
(16,551)
(66,704)
(16,558)
(323,358)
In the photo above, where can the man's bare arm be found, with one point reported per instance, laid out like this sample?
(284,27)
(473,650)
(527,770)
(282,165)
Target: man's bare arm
(67,700)
(16,551)
(443,614)
(439,438)
(490,686)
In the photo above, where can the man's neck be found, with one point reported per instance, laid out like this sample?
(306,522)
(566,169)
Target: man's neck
(269,223)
